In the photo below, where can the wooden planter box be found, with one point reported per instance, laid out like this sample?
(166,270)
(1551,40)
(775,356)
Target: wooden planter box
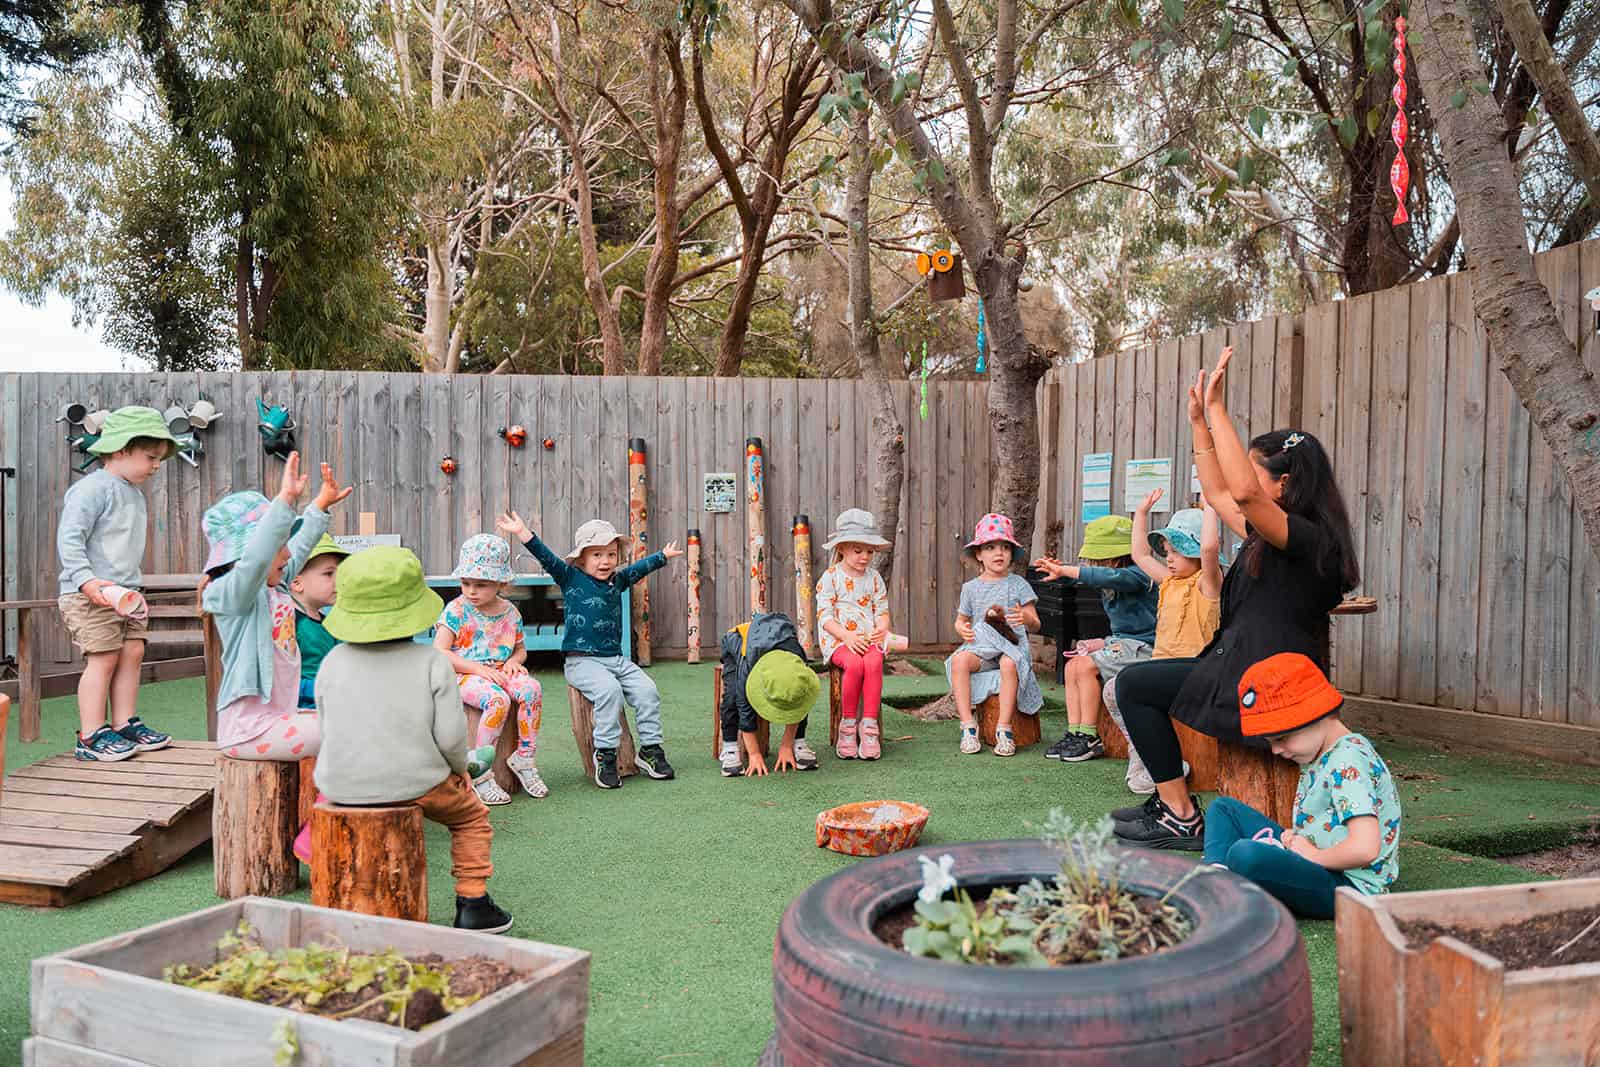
(105,1005)
(1451,1004)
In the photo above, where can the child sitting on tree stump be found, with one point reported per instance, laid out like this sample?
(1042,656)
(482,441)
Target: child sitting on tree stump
(764,672)
(314,591)
(392,727)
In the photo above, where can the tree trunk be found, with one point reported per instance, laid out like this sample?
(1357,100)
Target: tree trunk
(730,348)
(243,279)
(671,109)
(1560,102)
(1533,350)
(1015,368)
(889,441)
(436,302)
(594,285)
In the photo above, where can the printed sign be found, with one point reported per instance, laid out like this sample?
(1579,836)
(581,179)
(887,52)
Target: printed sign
(721,492)
(1096,486)
(1144,475)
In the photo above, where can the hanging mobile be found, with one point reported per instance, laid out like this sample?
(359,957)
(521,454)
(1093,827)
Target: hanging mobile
(1399,171)
(983,340)
(923,410)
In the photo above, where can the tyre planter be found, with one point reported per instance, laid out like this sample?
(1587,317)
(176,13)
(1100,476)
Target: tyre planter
(1236,992)
(1448,1003)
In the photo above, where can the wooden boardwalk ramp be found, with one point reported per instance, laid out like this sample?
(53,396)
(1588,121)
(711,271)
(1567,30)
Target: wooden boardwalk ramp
(72,829)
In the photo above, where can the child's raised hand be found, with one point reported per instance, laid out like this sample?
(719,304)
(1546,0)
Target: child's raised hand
(1197,398)
(1150,499)
(293,484)
(1214,382)
(511,524)
(331,492)
(671,550)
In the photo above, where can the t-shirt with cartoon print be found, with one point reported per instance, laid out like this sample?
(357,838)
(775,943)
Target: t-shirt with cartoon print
(1347,781)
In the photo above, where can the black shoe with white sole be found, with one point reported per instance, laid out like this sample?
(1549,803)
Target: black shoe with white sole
(1055,750)
(1136,812)
(481,914)
(1087,747)
(653,761)
(1161,827)
(605,769)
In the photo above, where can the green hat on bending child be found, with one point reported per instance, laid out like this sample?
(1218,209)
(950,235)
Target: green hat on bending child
(781,687)
(382,597)
(1108,537)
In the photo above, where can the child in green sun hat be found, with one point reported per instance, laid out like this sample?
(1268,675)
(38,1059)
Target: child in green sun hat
(314,590)
(390,714)
(1130,597)
(100,541)
(764,672)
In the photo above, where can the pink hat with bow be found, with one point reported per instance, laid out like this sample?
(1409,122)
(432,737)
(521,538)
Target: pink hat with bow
(992,527)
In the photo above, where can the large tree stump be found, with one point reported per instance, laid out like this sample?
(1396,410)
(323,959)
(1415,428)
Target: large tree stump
(1024,728)
(307,791)
(504,746)
(1201,751)
(583,734)
(763,728)
(254,817)
(370,860)
(1259,779)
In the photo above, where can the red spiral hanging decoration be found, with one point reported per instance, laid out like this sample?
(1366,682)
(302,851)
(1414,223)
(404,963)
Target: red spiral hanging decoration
(1399,171)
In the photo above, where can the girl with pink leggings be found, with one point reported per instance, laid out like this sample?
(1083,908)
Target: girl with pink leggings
(853,628)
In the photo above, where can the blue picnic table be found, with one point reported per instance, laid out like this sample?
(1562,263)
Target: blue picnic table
(538,600)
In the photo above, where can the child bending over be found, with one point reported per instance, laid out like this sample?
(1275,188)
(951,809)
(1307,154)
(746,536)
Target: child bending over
(1129,595)
(480,633)
(1346,812)
(853,628)
(596,664)
(390,714)
(993,619)
(764,672)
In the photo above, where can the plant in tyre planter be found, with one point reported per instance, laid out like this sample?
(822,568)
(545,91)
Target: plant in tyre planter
(1236,989)
(1084,914)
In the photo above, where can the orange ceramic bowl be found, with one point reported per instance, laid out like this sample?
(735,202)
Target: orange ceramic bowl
(871,827)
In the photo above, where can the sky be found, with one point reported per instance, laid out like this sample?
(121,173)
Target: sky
(44,338)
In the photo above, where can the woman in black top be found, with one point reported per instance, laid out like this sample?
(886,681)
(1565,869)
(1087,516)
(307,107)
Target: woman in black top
(1297,562)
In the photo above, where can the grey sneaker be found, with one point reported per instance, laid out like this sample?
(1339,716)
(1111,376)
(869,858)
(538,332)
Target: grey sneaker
(805,757)
(732,765)
(143,737)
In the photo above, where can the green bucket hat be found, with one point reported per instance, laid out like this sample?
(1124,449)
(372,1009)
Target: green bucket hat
(381,597)
(1107,537)
(125,424)
(327,546)
(782,688)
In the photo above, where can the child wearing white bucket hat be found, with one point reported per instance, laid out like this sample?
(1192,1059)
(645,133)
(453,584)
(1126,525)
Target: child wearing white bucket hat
(853,628)
(480,632)
(592,584)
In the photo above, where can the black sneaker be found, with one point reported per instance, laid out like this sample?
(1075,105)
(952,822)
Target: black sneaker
(143,737)
(1161,828)
(105,745)
(1137,811)
(481,914)
(653,761)
(605,769)
(1055,750)
(1088,747)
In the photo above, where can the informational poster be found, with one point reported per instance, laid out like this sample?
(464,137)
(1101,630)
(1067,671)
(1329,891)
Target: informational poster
(1144,475)
(1096,486)
(721,492)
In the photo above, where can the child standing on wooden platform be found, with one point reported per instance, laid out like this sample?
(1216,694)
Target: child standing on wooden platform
(1130,599)
(993,619)
(596,663)
(765,673)
(392,727)
(1346,812)
(853,629)
(480,632)
(1189,571)
(100,541)
(314,590)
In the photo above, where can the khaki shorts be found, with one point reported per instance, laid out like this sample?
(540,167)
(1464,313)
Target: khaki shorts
(97,629)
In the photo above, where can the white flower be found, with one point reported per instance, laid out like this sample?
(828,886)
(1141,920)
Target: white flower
(936,877)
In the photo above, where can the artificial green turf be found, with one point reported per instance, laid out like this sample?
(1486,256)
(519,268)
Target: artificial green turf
(677,887)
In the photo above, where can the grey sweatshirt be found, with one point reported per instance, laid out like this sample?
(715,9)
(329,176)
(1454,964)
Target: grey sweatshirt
(101,534)
(393,726)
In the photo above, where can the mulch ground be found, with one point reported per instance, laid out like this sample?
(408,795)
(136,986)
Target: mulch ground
(1556,940)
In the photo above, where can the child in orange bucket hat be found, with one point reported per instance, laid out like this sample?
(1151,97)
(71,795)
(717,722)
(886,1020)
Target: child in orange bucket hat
(1346,816)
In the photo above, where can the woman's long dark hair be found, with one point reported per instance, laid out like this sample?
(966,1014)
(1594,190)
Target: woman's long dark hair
(1312,493)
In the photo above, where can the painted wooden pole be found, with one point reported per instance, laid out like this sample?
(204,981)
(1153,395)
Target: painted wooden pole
(639,527)
(804,594)
(756,516)
(693,552)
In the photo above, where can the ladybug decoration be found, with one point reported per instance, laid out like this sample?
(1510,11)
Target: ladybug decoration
(942,268)
(448,464)
(549,444)
(515,436)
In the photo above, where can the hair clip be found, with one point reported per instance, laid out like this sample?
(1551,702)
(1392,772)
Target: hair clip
(1292,440)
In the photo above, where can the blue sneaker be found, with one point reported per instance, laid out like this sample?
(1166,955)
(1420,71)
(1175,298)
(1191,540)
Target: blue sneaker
(143,737)
(105,745)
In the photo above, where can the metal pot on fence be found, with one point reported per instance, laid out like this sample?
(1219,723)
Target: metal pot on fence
(202,414)
(177,420)
(95,420)
(72,414)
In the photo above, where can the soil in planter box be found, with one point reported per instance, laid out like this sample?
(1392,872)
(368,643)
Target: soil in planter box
(1530,943)
(474,976)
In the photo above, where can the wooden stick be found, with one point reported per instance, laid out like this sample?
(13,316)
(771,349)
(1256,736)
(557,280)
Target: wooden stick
(1557,952)
(804,594)
(756,514)
(693,551)
(639,527)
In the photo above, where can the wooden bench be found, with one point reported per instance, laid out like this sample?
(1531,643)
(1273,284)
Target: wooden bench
(763,728)
(254,817)
(583,733)
(370,860)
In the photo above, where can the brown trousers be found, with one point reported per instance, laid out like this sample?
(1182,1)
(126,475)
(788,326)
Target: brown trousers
(454,804)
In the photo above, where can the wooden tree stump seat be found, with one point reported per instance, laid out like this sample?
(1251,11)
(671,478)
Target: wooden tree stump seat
(1110,733)
(1024,728)
(1258,778)
(307,793)
(583,733)
(254,817)
(505,745)
(370,860)
(763,728)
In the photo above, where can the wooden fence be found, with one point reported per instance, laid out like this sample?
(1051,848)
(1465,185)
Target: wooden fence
(386,433)
(1489,598)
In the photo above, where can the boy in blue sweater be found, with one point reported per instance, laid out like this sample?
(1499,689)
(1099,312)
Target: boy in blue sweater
(597,665)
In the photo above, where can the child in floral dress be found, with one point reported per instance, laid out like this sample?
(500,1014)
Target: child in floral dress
(481,633)
(853,628)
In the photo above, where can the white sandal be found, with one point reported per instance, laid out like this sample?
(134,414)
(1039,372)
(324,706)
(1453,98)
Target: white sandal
(970,745)
(1005,742)
(489,790)
(522,766)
